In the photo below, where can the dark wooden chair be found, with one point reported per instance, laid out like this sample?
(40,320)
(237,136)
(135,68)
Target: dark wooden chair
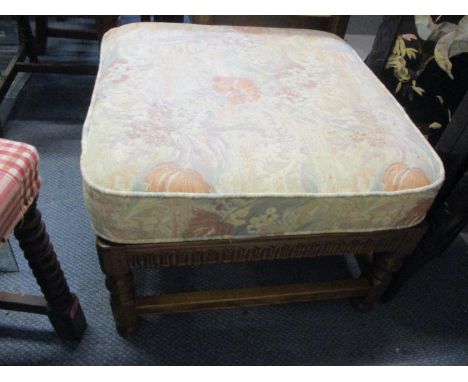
(43,30)
(333,24)
(26,60)
(164,19)
(449,213)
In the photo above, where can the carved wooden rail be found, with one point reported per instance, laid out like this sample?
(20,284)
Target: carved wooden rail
(118,261)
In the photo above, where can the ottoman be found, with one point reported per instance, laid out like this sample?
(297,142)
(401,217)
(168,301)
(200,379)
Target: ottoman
(215,144)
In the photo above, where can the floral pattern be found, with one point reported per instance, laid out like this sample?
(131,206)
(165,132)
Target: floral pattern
(239,90)
(398,176)
(203,132)
(168,177)
(426,67)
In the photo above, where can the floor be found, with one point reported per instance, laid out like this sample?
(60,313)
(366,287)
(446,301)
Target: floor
(427,324)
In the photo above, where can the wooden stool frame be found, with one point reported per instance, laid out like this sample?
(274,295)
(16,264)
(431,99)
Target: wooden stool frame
(119,260)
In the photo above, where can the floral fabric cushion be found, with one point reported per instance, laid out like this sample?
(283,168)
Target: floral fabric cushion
(204,132)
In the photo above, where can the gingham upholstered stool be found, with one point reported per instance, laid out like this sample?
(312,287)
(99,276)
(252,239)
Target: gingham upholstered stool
(19,187)
(216,144)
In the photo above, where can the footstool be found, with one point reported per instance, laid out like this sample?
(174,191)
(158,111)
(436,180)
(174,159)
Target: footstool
(219,144)
(19,190)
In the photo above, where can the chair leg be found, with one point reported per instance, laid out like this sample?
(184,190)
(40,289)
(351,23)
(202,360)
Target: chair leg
(65,312)
(379,274)
(26,38)
(122,296)
(41,34)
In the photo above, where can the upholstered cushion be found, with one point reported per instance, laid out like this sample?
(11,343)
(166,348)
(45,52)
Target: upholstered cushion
(202,132)
(19,183)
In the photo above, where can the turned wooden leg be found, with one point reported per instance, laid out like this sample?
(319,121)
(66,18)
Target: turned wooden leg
(379,274)
(65,311)
(121,285)
(122,293)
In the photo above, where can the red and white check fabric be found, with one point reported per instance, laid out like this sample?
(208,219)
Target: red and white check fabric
(19,183)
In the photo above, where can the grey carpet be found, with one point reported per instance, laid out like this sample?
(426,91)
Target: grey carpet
(7,258)
(426,324)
